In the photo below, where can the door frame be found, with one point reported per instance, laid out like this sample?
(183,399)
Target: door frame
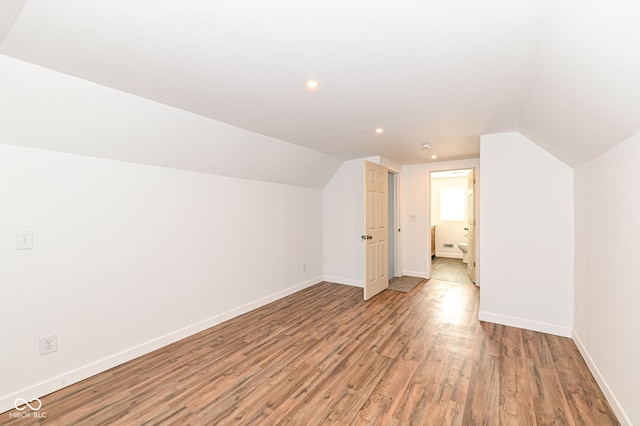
(446,166)
(395,226)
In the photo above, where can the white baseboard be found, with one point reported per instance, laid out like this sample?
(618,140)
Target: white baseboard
(542,327)
(418,274)
(449,255)
(623,418)
(345,281)
(56,383)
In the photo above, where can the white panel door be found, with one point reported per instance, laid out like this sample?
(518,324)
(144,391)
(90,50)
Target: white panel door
(471,228)
(376,235)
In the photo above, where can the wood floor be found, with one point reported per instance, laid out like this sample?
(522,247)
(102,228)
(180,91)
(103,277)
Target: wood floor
(447,269)
(324,356)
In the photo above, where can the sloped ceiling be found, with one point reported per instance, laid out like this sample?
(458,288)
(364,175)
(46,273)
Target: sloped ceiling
(564,73)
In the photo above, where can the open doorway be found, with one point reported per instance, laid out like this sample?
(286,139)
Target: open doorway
(392,226)
(453,226)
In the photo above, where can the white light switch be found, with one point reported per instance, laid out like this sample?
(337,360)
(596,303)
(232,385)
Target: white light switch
(24,240)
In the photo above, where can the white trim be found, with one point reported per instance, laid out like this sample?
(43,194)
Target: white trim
(345,281)
(623,418)
(417,274)
(56,383)
(527,324)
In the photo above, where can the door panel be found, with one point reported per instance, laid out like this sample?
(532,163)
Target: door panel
(471,227)
(376,232)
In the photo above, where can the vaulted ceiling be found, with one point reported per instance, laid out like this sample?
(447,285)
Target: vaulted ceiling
(565,73)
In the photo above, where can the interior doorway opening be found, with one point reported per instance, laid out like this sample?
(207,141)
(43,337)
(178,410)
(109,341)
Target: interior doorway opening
(392,226)
(453,221)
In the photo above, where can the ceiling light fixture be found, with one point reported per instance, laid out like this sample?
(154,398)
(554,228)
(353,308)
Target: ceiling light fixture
(426,146)
(433,157)
(312,84)
(379,130)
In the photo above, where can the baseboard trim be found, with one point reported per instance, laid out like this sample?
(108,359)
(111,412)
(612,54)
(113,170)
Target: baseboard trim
(56,383)
(345,281)
(623,418)
(449,255)
(527,324)
(418,274)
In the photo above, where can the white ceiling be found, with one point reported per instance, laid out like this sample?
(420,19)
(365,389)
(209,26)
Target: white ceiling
(564,73)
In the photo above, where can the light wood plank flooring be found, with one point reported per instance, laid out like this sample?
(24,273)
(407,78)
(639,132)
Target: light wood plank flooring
(324,356)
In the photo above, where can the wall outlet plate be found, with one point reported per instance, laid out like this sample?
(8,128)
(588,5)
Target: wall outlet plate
(24,240)
(48,344)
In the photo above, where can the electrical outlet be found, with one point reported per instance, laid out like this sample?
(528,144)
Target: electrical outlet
(24,240)
(48,344)
(304,267)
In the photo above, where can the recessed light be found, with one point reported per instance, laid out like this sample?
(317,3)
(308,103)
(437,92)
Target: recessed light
(379,130)
(426,146)
(433,157)
(312,84)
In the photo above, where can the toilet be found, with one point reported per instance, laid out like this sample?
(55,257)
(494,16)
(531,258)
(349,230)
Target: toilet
(465,251)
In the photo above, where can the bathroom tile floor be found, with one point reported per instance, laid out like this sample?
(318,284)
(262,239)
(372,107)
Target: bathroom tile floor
(446,269)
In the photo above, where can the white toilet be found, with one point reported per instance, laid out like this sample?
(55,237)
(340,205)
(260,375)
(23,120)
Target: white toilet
(465,251)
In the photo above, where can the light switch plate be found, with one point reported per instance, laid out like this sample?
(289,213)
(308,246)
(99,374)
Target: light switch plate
(24,240)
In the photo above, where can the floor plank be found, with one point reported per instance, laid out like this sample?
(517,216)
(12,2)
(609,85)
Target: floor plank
(324,356)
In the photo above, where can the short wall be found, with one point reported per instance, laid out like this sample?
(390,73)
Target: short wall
(128,258)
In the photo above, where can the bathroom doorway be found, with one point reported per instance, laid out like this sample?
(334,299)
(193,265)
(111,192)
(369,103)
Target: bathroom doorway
(452,225)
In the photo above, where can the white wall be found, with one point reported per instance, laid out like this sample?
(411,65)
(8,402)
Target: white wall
(128,258)
(416,214)
(343,223)
(527,236)
(607,293)
(448,231)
